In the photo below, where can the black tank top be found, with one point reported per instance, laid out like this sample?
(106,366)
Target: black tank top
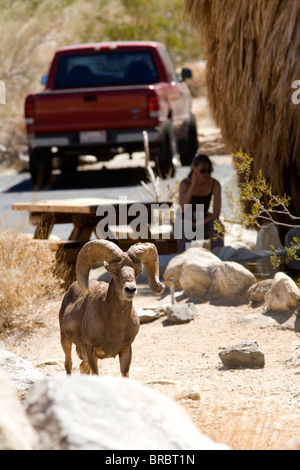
(205,200)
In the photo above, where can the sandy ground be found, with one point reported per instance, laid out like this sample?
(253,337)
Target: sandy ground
(246,408)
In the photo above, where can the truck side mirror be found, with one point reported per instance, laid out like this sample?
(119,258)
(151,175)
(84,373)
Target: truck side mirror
(44,80)
(186,74)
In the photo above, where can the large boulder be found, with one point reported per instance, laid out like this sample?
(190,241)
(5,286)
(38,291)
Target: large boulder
(232,280)
(198,270)
(283,294)
(173,270)
(108,413)
(16,432)
(258,291)
(21,373)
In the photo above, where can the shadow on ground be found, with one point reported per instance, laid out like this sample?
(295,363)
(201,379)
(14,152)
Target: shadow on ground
(84,179)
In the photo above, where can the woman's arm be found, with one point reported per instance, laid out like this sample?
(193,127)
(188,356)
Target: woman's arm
(217,203)
(185,193)
(186,188)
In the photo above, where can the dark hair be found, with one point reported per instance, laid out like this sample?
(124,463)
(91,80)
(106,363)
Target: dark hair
(201,158)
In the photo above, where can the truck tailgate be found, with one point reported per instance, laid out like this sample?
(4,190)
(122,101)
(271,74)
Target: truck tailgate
(91,109)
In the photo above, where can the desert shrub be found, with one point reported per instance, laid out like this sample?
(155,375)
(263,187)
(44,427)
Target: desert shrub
(27,279)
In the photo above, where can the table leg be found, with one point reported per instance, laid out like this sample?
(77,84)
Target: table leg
(44,225)
(83,227)
(82,234)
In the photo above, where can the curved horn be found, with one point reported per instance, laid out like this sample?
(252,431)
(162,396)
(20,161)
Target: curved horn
(95,250)
(146,253)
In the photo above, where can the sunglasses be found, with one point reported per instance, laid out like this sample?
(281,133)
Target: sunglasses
(205,171)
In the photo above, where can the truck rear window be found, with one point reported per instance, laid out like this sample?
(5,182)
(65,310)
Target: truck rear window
(107,68)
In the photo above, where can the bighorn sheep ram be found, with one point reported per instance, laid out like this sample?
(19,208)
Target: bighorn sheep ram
(98,317)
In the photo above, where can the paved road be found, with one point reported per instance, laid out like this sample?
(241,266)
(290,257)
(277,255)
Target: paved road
(111,182)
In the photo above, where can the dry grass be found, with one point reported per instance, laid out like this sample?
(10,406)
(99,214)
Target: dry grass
(27,280)
(242,428)
(244,423)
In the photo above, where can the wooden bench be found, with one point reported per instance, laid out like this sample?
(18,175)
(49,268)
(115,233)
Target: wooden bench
(83,215)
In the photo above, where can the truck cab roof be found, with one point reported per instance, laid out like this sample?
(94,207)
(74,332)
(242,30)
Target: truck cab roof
(111,45)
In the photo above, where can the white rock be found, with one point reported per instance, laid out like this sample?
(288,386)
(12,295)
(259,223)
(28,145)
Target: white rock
(173,269)
(16,432)
(109,413)
(232,279)
(283,294)
(148,314)
(197,273)
(21,373)
(258,291)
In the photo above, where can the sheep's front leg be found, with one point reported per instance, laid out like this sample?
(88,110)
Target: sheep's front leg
(67,348)
(125,361)
(92,359)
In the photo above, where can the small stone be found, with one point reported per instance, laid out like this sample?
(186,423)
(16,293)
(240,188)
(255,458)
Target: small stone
(181,313)
(148,314)
(49,362)
(244,354)
(186,394)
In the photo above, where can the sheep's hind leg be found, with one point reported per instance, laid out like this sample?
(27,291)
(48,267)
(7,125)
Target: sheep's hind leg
(84,365)
(66,344)
(92,359)
(125,361)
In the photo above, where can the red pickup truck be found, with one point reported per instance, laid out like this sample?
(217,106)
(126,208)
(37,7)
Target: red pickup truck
(98,100)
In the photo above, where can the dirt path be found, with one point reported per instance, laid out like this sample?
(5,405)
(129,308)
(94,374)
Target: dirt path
(247,408)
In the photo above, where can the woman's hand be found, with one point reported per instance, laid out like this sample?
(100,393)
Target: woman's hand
(186,188)
(194,177)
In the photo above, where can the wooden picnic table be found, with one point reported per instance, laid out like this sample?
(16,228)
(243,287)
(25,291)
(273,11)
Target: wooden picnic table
(83,214)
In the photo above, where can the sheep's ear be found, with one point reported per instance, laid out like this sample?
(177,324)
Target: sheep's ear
(106,265)
(110,268)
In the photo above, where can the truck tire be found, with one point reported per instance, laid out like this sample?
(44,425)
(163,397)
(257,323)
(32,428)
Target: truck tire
(68,165)
(40,166)
(167,159)
(188,147)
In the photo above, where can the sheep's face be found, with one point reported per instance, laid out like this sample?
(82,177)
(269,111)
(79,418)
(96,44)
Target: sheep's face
(124,276)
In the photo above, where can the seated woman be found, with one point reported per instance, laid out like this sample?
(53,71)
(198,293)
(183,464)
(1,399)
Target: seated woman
(198,188)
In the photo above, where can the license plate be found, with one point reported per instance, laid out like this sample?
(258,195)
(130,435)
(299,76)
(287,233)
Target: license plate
(93,137)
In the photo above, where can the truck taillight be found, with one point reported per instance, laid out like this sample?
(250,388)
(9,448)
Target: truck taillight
(153,107)
(29,110)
